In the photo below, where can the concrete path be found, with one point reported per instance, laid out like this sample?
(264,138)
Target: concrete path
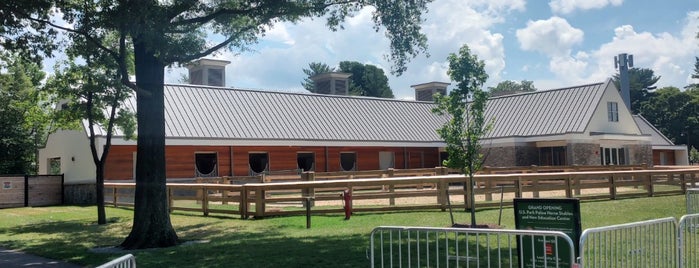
(12,258)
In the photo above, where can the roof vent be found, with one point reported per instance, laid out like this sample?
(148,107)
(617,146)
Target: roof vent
(333,83)
(208,72)
(426,91)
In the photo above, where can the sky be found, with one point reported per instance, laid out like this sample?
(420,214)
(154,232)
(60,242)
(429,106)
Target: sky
(554,43)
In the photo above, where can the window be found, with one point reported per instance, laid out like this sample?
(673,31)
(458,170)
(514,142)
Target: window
(613,156)
(259,163)
(54,166)
(348,161)
(205,165)
(306,161)
(215,77)
(613,111)
(552,156)
(386,160)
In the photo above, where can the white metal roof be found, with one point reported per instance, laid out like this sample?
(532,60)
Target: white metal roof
(194,112)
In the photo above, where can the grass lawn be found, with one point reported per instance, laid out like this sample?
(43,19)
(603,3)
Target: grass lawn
(69,232)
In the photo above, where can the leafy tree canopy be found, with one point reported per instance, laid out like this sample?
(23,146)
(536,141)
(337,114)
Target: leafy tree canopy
(639,82)
(314,68)
(508,87)
(366,80)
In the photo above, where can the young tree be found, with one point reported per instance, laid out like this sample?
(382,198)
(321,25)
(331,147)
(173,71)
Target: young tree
(466,105)
(95,94)
(693,156)
(163,33)
(366,80)
(314,68)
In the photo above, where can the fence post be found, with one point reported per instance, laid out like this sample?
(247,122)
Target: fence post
(309,192)
(170,200)
(205,201)
(224,193)
(649,186)
(442,194)
(391,188)
(612,187)
(535,187)
(26,190)
(259,203)
(114,196)
(569,187)
(518,187)
(63,188)
(243,205)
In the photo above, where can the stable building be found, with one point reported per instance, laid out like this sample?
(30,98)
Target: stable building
(217,131)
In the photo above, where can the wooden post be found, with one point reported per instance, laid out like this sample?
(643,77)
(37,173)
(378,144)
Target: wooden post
(535,187)
(205,201)
(612,187)
(224,193)
(649,185)
(442,194)
(243,204)
(488,193)
(114,196)
(170,202)
(569,187)
(683,181)
(391,188)
(308,192)
(518,187)
(259,203)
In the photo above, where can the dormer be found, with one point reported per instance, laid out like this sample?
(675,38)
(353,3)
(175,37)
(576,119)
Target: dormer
(208,72)
(333,83)
(426,91)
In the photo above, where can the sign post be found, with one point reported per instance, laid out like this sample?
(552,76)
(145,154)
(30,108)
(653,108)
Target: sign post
(551,215)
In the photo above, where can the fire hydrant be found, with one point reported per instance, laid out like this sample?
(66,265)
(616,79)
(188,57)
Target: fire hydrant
(347,199)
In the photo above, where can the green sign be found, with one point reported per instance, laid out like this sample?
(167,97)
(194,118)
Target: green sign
(549,215)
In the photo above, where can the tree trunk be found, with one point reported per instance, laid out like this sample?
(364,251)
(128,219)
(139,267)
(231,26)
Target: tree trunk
(151,222)
(99,189)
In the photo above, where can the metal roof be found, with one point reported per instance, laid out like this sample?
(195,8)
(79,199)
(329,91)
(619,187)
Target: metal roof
(201,112)
(657,137)
(546,112)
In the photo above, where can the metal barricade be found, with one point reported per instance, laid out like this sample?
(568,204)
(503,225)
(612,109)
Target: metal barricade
(650,243)
(396,246)
(688,233)
(692,200)
(126,261)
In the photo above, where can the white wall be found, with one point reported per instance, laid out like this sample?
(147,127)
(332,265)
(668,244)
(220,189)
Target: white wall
(600,122)
(73,147)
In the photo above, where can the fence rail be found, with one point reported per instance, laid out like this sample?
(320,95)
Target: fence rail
(126,261)
(688,233)
(408,193)
(650,243)
(396,246)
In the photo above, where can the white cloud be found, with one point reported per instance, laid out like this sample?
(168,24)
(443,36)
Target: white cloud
(448,25)
(552,37)
(568,6)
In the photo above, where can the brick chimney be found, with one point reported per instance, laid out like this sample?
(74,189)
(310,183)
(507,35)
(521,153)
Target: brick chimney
(333,83)
(425,92)
(208,72)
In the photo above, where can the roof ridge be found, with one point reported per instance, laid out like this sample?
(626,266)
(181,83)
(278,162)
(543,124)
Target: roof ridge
(547,90)
(296,93)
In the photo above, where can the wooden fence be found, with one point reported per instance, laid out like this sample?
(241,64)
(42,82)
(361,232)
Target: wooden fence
(400,193)
(31,190)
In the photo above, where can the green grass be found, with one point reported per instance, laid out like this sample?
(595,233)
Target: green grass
(69,232)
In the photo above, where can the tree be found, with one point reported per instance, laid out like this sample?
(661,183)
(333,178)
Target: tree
(675,113)
(175,32)
(509,87)
(314,68)
(24,118)
(95,94)
(466,106)
(640,80)
(693,156)
(366,80)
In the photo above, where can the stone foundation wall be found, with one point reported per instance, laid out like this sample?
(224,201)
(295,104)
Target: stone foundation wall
(640,154)
(526,155)
(583,154)
(499,156)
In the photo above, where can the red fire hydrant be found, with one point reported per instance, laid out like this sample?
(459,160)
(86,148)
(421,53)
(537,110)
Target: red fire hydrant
(347,199)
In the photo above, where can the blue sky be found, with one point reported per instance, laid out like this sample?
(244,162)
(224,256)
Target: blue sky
(555,43)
